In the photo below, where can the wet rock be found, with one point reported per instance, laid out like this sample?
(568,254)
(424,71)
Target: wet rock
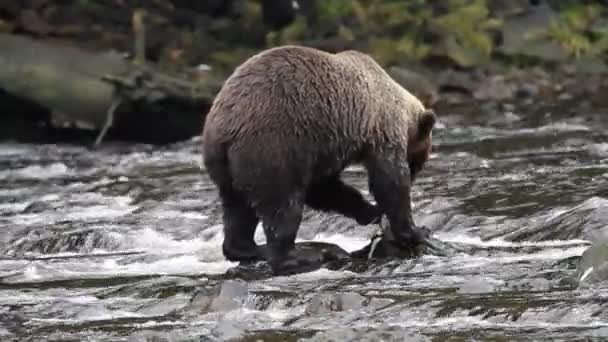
(319,255)
(378,303)
(383,245)
(30,21)
(417,84)
(593,264)
(590,64)
(503,119)
(156,287)
(584,221)
(531,83)
(229,295)
(50,242)
(495,88)
(250,271)
(517,42)
(316,255)
(457,81)
(331,302)
(565,97)
(367,334)
(39,207)
(527,90)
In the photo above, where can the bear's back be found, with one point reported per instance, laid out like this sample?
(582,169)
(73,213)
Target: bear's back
(293,89)
(299,114)
(295,102)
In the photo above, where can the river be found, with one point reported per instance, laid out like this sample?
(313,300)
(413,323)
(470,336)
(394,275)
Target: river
(123,244)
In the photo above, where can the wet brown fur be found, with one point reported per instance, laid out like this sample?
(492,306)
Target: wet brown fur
(292,118)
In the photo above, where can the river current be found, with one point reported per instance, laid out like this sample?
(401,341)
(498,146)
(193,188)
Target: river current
(123,244)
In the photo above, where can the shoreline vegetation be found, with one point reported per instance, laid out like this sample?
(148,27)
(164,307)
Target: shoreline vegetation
(453,54)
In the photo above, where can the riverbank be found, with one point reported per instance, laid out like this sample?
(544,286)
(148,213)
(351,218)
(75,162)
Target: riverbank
(491,55)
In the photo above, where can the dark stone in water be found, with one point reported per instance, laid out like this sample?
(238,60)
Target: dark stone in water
(37,207)
(593,264)
(333,257)
(319,255)
(384,246)
(324,303)
(584,221)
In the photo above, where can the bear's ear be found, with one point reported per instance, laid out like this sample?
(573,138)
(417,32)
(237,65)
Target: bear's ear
(426,123)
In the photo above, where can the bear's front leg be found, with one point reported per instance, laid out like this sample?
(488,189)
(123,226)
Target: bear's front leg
(390,184)
(332,194)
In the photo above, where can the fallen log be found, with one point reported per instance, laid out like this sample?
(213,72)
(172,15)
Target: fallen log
(84,88)
(64,79)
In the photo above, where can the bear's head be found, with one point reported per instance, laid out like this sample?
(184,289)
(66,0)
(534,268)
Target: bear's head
(420,145)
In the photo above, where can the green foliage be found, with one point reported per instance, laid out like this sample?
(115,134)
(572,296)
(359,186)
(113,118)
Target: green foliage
(335,8)
(395,30)
(465,31)
(227,59)
(458,31)
(290,34)
(570,29)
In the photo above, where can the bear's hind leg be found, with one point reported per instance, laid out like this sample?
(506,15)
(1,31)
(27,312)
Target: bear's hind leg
(281,218)
(240,222)
(281,221)
(333,194)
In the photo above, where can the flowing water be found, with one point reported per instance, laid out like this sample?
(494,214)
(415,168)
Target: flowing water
(123,244)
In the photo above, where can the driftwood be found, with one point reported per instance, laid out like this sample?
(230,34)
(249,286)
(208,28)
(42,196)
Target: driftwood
(85,88)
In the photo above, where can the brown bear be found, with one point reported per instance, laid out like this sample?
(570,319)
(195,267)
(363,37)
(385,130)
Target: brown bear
(283,127)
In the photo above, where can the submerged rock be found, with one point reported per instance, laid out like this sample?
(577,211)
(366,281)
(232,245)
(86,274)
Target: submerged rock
(387,333)
(383,245)
(584,221)
(330,302)
(227,296)
(593,265)
(319,254)
(226,330)
(495,88)
(333,257)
